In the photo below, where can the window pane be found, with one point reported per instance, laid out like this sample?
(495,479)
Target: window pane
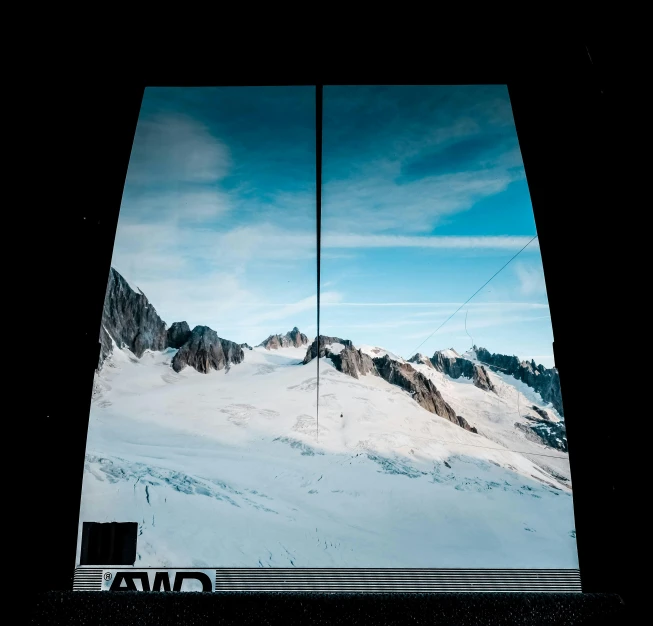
(450,415)
(200,390)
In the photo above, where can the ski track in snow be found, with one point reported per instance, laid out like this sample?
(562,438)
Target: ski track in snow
(227,470)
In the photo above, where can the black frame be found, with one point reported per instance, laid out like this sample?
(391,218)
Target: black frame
(561,142)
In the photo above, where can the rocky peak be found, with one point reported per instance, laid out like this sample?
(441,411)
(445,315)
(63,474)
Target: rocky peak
(351,361)
(481,379)
(421,359)
(296,338)
(449,362)
(178,334)
(205,351)
(545,381)
(320,344)
(292,339)
(129,319)
(543,413)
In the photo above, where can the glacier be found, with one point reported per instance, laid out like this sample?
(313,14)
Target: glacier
(231,468)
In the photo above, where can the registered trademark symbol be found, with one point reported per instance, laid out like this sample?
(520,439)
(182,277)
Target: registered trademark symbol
(107,576)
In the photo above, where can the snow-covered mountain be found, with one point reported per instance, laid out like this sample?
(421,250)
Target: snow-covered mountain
(455,366)
(346,358)
(129,320)
(545,381)
(292,339)
(224,457)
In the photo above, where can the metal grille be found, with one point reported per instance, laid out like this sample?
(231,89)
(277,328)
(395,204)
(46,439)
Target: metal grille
(87,579)
(397,580)
(359,580)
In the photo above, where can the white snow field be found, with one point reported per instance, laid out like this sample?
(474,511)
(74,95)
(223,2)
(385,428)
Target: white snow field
(226,469)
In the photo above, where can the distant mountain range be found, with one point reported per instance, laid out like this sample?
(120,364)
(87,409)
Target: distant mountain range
(129,320)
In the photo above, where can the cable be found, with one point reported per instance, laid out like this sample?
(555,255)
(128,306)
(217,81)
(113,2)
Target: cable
(477,291)
(505,370)
(472,338)
(551,456)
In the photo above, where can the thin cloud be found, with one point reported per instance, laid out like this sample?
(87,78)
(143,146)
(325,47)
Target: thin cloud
(176,148)
(380,204)
(486,323)
(290,310)
(399,241)
(532,305)
(176,204)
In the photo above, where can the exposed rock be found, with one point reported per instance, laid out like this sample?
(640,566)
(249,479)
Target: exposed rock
(292,339)
(296,338)
(421,388)
(545,381)
(320,344)
(106,345)
(541,412)
(454,367)
(352,361)
(529,433)
(355,363)
(129,319)
(273,342)
(421,359)
(178,334)
(554,434)
(481,378)
(457,366)
(246,346)
(551,434)
(205,351)
(346,359)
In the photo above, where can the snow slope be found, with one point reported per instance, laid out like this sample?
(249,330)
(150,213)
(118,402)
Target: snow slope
(495,414)
(376,352)
(227,469)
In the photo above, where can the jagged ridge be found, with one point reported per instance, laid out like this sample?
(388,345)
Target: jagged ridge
(291,339)
(178,334)
(129,319)
(205,351)
(545,381)
(320,344)
(421,359)
(354,362)
(457,366)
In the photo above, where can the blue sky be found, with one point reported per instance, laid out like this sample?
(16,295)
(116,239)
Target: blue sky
(424,198)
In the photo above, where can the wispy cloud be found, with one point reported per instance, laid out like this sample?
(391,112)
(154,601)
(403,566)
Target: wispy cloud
(380,204)
(178,205)
(288,310)
(334,240)
(457,327)
(401,159)
(218,218)
(502,305)
(176,148)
